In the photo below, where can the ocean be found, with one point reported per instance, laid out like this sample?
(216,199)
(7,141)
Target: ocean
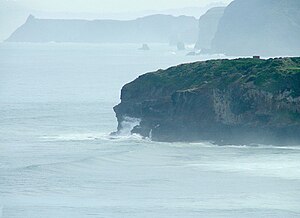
(57,158)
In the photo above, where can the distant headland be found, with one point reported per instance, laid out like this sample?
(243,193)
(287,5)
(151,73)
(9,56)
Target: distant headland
(150,29)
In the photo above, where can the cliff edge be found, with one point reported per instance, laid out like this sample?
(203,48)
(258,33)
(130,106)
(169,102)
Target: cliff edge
(239,101)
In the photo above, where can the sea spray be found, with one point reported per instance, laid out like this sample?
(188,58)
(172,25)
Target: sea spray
(127,125)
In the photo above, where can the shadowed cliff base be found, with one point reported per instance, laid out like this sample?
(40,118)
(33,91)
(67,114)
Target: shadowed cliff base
(241,101)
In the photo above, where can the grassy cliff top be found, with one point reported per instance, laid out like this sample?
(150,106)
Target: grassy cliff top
(273,75)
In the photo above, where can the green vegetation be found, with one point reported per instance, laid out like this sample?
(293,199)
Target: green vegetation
(218,100)
(273,75)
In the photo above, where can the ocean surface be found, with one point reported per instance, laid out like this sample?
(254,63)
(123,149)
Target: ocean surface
(57,159)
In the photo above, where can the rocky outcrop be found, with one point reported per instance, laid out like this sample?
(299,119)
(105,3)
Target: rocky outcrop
(150,29)
(208,25)
(226,101)
(264,27)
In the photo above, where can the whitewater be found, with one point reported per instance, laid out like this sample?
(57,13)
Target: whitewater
(58,159)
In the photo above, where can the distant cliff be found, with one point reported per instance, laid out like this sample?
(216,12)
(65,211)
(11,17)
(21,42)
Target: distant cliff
(264,27)
(208,25)
(155,28)
(227,101)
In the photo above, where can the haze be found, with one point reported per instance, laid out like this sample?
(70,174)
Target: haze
(14,13)
(107,6)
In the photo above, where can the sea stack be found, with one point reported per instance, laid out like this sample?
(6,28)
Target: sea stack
(145,47)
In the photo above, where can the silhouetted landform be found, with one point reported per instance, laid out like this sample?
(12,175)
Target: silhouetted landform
(239,101)
(155,29)
(180,46)
(144,47)
(192,53)
(265,27)
(208,25)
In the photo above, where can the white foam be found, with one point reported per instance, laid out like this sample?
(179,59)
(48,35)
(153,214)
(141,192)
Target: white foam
(74,137)
(90,137)
(127,125)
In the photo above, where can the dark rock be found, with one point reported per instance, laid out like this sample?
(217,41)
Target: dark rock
(144,47)
(239,101)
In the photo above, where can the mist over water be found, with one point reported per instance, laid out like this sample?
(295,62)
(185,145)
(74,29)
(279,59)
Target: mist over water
(57,158)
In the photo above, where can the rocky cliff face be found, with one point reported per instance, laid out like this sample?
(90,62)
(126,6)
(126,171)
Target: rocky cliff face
(264,27)
(226,101)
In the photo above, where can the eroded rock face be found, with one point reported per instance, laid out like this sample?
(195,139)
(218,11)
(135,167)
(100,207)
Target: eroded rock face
(226,101)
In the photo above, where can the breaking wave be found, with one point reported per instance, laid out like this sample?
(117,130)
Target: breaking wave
(89,137)
(127,125)
(123,134)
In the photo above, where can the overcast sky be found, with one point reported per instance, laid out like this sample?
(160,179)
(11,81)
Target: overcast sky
(112,5)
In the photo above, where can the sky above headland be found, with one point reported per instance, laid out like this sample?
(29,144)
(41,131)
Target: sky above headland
(108,6)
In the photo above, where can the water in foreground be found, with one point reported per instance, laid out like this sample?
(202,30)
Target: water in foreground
(58,160)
